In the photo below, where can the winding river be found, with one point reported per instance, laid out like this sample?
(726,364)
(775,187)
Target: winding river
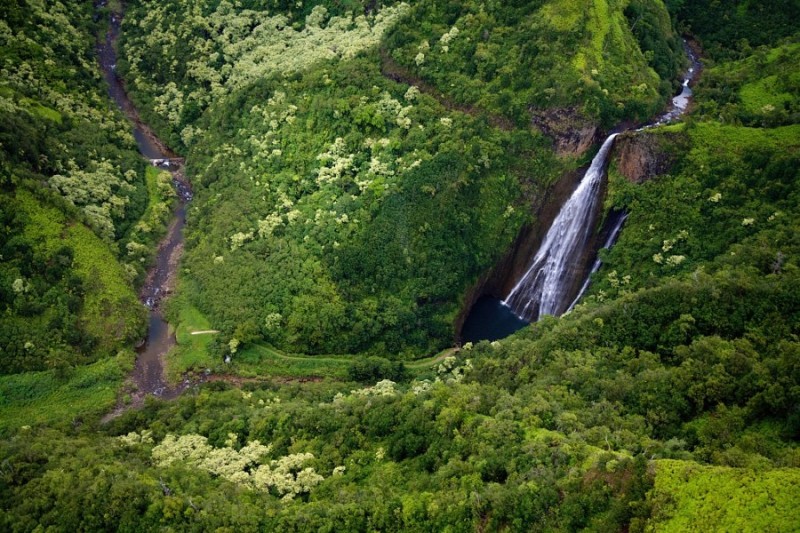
(148,374)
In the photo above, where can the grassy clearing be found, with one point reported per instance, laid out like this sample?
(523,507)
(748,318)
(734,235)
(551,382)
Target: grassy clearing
(146,234)
(428,362)
(110,304)
(192,351)
(737,139)
(692,497)
(261,360)
(42,398)
(563,16)
(42,110)
(756,96)
(159,190)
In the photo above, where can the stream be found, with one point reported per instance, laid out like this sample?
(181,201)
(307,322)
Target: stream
(559,273)
(148,373)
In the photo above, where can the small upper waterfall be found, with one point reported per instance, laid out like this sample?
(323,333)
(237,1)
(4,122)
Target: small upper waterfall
(545,288)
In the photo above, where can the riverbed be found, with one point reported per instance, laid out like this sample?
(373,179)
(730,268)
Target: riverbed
(148,375)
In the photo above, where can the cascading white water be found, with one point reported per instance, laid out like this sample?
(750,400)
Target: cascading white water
(610,240)
(545,287)
(560,266)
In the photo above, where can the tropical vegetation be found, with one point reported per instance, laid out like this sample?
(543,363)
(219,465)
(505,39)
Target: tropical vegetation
(357,167)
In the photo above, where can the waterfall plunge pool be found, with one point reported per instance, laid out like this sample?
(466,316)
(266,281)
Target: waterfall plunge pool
(490,319)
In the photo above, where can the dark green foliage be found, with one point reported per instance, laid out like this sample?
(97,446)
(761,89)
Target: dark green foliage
(730,202)
(761,90)
(48,295)
(367,260)
(510,58)
(686,354)
(67,162)
(374,369)
(341,212)
(64,299)
(732,27)
(662,48)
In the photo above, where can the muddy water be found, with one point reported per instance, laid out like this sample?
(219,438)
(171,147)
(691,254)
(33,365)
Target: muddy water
(148,374)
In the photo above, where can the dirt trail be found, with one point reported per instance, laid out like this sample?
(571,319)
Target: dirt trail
(396,72)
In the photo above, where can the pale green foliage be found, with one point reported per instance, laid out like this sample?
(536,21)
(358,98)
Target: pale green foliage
(247,467)
(232,48)
(19,286)
(134,439)
(337,169)
(285,476)
(449,371)
(96,191)
(421,387)
(273,321)
(384,387)
(238,239)
(675,260)
(170,104)
(233,344)
(447,37)
(335,163)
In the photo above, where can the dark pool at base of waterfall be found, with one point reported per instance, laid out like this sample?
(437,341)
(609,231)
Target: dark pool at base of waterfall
(490,319)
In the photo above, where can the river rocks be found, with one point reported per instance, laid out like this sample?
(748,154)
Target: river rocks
(572,133)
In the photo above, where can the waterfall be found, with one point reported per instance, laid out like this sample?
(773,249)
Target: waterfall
(610,240)
(560,273)
(545,287)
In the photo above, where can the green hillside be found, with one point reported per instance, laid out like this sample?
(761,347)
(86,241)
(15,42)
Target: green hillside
(367,192)
(357,167)
(688,496)
(71,189)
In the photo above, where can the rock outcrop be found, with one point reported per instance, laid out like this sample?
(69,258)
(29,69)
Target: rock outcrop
(640,156)
(572,133)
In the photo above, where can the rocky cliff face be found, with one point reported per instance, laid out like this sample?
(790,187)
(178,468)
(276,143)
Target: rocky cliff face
(640,156)
(501,279)
(572,133)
